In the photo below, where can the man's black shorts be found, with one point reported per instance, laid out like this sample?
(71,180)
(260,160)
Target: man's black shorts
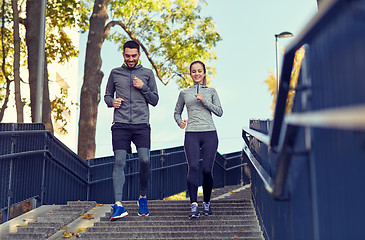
(123,134)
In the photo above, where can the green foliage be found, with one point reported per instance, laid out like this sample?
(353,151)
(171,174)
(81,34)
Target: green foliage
(6,49)
(59,109)
(84,14)
(62,15)
(172,32)
(272,83)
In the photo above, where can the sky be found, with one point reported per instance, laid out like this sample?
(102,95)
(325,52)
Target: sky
(246,54)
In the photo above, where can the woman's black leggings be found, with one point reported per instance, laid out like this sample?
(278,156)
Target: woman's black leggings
(207,142)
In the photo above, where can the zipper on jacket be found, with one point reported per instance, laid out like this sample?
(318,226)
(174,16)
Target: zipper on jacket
(130,95)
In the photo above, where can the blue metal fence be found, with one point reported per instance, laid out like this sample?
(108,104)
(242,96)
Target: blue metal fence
(168,174)
(307,166)
(36,165)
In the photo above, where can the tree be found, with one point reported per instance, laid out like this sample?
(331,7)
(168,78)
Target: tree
(58,46)
(32,24)
(61,14)
(18,98)
(5,68)
(171,33)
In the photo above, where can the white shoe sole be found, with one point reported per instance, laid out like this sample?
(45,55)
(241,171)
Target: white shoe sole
(120,216)
(194,216)
(142,215)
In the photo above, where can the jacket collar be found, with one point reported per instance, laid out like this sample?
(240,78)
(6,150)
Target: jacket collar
(196,85)
(139,65)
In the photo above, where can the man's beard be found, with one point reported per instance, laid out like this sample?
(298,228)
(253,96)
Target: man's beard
(132,64)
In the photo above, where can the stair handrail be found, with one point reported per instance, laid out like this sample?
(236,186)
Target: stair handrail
(281,137)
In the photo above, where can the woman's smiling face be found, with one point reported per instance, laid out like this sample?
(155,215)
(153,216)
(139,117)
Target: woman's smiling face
(197,73)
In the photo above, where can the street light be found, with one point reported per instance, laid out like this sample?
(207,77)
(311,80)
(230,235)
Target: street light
(281,35)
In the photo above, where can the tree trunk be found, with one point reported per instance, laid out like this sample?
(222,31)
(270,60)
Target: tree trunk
(90,91)
(4,53)
(46,107)
(32,24)
(18,98)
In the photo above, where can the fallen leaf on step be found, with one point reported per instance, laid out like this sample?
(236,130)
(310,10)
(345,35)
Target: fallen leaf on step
(235,236)
(99,204)
(87,216)
(82,229)
(63,228)
(220,219)
(106,225)
(243,229)
(50,211)
(67,234)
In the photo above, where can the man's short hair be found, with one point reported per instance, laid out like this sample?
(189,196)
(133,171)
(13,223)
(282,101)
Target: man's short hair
(131,44)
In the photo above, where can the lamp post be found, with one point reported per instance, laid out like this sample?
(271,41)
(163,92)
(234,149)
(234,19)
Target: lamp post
(40,69)
(280,35)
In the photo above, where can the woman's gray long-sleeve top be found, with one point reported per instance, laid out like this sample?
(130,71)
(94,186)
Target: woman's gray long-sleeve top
(199,113)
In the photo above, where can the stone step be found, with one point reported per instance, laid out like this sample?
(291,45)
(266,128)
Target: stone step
(51,221)
(184,238)
(59,219)
(199,234)
(180,222)
(178,206)
(233,218)
(40,229)
(135,217)
(178,202)
(174,227)
(26,236)
(73,209)
(44,224)
(81,203)
(63,214)
(186,212)
(172,210)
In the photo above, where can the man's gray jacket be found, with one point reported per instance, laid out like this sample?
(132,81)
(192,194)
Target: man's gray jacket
(134,109)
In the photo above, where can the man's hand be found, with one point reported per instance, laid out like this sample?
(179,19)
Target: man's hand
(117,102)
(183,124)
(137,82)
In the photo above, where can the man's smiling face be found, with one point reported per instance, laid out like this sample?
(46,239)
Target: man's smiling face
(131,56)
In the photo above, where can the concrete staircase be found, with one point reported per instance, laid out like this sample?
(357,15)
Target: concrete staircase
(233,217)
(50,222)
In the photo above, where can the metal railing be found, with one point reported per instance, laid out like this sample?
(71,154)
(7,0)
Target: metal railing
(34,165)
(307,166)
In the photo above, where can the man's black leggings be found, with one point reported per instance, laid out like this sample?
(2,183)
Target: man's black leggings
(207,142)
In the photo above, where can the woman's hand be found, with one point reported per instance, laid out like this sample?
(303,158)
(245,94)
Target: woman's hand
(117,102)
(199,97)
(183,124)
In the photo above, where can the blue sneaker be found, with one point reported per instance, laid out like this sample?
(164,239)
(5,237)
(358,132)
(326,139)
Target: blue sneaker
(143,208)
(207,211)
(118,212)
(194,211)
